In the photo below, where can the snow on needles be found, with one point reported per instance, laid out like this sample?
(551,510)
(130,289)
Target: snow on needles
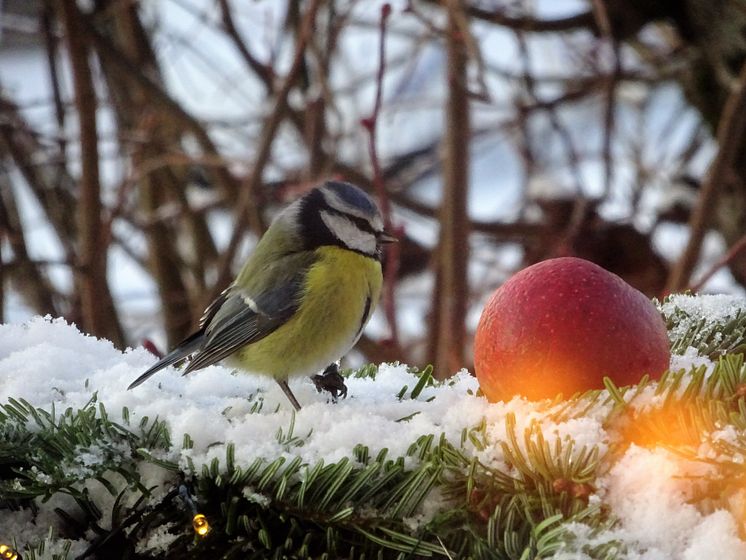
(702,313)
(48,361)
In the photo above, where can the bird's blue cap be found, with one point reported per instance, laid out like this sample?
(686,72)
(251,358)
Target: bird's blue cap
(353,196)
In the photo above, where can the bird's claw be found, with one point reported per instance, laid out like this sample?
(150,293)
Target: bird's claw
(331,381)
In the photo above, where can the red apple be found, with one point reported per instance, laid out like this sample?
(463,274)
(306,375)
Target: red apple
(560,326)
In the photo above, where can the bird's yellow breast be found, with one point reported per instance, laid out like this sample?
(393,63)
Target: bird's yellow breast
(340,293)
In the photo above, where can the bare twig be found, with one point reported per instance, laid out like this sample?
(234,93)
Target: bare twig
(310,125)
(52,187)
(370,125)
(604,25)
(474,53)
(177,251)
(523,122)
(601,17)
(250,193)
(584,20)
(731,140)
(453,246)
(263,71)
(573,159)
(160,100)
(571,153)
(52,50)
(725,260)
(32,283)
(582,203)
(97,304)
(469,41)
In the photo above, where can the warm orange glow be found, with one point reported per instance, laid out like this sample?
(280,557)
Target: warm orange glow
(7,553)
(200,524)
(671,426)
(536,377)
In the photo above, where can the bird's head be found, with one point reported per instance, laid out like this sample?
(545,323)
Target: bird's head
(341,214)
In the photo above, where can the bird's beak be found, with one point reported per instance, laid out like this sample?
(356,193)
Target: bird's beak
(386,237)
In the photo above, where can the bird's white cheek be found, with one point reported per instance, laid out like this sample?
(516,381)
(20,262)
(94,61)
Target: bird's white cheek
(349,234)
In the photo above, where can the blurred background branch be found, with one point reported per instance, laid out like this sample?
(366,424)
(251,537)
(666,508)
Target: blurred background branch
(144,146)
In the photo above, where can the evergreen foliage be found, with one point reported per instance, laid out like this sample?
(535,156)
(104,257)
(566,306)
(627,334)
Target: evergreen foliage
(444,499)
(689,326)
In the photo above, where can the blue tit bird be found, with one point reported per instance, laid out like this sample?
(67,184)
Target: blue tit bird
(301,300)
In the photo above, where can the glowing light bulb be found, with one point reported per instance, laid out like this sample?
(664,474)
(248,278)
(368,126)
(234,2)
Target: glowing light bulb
(200,524)
(7,553)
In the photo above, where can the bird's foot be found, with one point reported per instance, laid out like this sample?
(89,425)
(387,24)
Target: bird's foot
(331,381)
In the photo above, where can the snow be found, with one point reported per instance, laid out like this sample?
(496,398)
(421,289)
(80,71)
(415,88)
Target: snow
(714,307)
(711,309)
(157,541)
(47,361)
(649,489)
(690,358)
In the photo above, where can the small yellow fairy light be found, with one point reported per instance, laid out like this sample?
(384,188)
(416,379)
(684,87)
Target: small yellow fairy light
(200,524)
(7,553)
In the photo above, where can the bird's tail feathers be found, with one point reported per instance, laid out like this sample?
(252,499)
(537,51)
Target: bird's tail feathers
(183,350)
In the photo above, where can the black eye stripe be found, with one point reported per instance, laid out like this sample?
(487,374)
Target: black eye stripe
(363,225)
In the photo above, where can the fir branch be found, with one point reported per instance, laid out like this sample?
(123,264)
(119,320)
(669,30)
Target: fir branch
(691,323)
(438,500)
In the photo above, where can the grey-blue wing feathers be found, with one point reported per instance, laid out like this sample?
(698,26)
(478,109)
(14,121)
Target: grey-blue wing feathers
(183,350)
(239,321)
(232,321)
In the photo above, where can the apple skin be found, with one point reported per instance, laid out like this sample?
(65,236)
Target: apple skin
(561,326)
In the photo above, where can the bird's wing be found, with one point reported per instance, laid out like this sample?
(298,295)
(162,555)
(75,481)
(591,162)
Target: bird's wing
(187,346)
(183,350)
(242,318)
